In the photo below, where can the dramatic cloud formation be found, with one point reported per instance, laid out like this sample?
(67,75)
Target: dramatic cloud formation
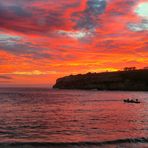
(141,10)
(88,18)
(43,40)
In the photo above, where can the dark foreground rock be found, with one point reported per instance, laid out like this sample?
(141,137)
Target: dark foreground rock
(121,80)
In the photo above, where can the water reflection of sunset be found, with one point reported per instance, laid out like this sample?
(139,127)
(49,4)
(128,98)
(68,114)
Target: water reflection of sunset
(71,115)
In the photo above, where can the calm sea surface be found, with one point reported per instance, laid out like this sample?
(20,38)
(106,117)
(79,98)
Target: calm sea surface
(35,117)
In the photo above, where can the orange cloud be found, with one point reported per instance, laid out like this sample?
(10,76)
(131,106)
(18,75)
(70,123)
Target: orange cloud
(41,41)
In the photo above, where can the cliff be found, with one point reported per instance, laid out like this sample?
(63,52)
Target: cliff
(121,80)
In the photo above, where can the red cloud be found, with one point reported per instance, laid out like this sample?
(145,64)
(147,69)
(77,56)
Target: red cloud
(31,39)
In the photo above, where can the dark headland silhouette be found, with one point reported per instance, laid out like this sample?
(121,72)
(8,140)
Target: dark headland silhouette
(128,79)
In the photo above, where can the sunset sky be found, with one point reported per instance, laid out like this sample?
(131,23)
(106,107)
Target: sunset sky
(41,40)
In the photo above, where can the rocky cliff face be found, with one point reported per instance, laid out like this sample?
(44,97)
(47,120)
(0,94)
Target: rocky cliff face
(122,80)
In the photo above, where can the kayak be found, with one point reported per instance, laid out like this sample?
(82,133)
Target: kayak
(131,101)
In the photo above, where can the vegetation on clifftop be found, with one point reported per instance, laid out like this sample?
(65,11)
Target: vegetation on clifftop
(120,80)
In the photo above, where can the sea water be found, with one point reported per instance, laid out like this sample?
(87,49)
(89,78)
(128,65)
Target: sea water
(42,117)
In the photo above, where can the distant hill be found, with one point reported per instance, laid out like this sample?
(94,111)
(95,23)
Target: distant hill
(121,80)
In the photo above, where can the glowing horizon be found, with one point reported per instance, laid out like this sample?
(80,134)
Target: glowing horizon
(41,41)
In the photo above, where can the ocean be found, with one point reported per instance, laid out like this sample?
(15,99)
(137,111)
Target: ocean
(52,118)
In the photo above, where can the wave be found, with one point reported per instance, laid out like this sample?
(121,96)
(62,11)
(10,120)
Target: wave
(75,144)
